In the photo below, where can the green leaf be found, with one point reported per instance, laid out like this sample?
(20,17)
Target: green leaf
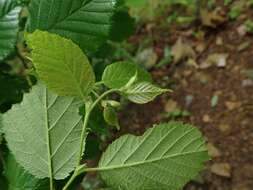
(112,103)
(1,129)
(19,179)
(111,117)
(61,64)
(87,22)
(118,74)
(9,26)
(142,93)
(166,157)
(123,26)
(43,133)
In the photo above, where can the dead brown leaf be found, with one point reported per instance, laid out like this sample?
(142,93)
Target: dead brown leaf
(181,51)
(211,18)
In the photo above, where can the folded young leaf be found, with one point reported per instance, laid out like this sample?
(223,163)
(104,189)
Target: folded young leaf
(43,133)
(166,157)
(110,116)
(118,74)
(87,22)
(61,64)
(20,179)
(9,26)
(142,93)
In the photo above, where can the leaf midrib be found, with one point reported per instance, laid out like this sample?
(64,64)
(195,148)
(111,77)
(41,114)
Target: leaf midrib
(50,169)
(146,162)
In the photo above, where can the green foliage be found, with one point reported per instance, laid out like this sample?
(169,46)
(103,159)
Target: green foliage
(168,58)
(46,132)
(166,156)
(214,101)
(118,74)
(150,9)
(142,93)
(227,2)
(19,179)
(9,19)
(235,12)
(61,64)
(249,26)
(43,133)
(1,128)
(87,22)
(123,25)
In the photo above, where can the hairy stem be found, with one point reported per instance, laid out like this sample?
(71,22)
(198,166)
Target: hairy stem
(83,134)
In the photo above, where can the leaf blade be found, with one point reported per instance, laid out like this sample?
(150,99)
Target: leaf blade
(87,23)
(157,159)
(118,74)
(9,26)
(61,64)
(43,133)
(18,178)
(142,93)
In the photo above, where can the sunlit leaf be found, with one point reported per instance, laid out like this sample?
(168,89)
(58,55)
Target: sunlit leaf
(166,156)
(142,93)
(61,64)
(118,74)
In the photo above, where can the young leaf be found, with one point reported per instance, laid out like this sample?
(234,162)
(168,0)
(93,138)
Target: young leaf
(118,74)
(43,133)
(61,64)
(112,103)
(166,156)
(111,117)
(19,179)
(142,93)
(87,22)
(9,23)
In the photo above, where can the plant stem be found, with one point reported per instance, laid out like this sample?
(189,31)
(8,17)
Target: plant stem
(83,134)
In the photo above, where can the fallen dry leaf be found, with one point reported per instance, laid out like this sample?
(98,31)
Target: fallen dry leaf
(181,51)
(221,169)
(232,105)
(206,118)
(147,57)
(242,30)
(224,128)
(212,150)
(218,59)
(170,106)
(211,18)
